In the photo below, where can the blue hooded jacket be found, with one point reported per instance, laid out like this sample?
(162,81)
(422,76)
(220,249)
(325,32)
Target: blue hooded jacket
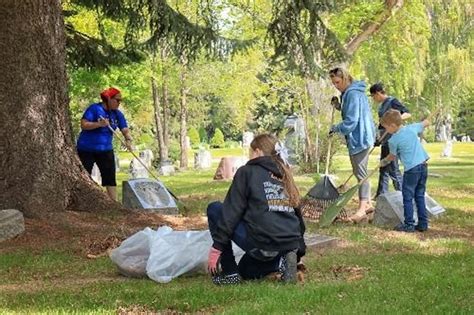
(357,122)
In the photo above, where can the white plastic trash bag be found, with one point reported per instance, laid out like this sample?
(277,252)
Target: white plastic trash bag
(178,252)
(132,255)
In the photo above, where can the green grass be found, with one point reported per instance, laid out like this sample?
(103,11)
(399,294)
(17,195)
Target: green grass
(372,271)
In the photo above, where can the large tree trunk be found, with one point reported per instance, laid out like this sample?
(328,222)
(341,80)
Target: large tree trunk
(39,168)
(183,161)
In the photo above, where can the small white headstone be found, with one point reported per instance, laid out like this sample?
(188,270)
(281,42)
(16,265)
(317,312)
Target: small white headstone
(468,139)
(95,174)
(188,142)
(202,159)
(247,138)
(448,149)
(464,139)
(137,170)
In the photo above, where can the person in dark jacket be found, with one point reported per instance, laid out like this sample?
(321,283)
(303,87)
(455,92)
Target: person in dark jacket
(358,128)
(392,170)
(260,214)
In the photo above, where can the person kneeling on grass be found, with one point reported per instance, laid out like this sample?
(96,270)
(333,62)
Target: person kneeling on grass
(260,214)
(406,145)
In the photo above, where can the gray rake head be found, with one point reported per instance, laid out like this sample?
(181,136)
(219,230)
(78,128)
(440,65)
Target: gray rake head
(324,190)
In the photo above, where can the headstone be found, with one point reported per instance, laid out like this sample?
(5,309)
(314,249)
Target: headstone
(148,194)
(455,139)
(315,241)
(468,138)
(294,137)
(389,209)
(95,174)
(117,163)
(202,159)
(464,139)
(448,149)
(247,138)
(137,170)
(166,168)
(147,155)
(228,166)
(12,224)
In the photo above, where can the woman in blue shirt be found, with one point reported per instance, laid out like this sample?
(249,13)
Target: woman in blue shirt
(359,130)
(95,140)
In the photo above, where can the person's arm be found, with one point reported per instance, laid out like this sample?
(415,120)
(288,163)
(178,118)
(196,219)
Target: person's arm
(397,105)
(90,125)
(405,116)
(351,119)
(234,207)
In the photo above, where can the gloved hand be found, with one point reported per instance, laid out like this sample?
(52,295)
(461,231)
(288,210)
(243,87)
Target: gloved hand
(213,260)
(335,102)
(129,144)
(332,130)
(377,143)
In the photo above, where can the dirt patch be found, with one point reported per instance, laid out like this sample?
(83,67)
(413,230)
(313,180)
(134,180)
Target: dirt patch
(91,234)
(349,273)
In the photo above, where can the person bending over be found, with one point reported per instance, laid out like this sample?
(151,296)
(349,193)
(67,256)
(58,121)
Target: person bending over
(405,145)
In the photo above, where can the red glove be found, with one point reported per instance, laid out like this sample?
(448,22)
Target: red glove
(213,260)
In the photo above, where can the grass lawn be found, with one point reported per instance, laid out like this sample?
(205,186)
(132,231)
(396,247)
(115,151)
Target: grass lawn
(370,271)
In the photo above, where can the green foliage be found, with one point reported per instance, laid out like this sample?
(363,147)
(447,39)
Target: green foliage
(203,135)
(193,135)
(217,140)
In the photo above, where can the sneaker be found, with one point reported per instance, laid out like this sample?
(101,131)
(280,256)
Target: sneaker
(288,264)
(222,279)
(421,227)
(402,227)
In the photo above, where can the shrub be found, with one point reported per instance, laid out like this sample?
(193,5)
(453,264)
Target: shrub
(194,137)
(203,135)
(217,140)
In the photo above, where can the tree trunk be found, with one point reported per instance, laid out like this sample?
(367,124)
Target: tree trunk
(39,168)
(165,99)
(163,149)
(183,161)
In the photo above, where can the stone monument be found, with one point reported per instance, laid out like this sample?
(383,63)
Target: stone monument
(148,194)
(389,209)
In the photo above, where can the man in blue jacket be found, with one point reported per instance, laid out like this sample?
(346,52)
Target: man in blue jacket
(391,170)
(359,130)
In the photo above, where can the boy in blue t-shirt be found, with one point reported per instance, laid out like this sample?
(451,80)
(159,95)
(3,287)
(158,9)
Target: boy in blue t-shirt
(406,145)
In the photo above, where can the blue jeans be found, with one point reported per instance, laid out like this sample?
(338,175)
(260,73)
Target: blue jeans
(391,171)
(249,267)
(414,187)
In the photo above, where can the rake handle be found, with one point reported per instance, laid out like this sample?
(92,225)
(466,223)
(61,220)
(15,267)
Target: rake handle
(329,144)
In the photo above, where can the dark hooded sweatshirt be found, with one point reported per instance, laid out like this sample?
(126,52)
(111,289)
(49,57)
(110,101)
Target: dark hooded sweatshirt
(257,197)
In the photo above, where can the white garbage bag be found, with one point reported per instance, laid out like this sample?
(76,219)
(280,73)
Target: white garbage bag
(132,255)
(178,252)
(165,254)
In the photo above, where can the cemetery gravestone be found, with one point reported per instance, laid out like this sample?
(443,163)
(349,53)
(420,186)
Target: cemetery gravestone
(247,138)
(95,174)
(448,149)
(137,170)
(202,159)
(12,224)
(389,209)
(148,194)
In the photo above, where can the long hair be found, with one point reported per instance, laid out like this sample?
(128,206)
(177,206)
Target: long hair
(341,73)
(266,143)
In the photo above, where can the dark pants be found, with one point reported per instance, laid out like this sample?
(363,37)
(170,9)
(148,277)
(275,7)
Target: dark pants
(105,162)
(391,171)
(249,267)
(414,187)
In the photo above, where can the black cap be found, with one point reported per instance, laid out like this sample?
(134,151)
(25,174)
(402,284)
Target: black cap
(377,87)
